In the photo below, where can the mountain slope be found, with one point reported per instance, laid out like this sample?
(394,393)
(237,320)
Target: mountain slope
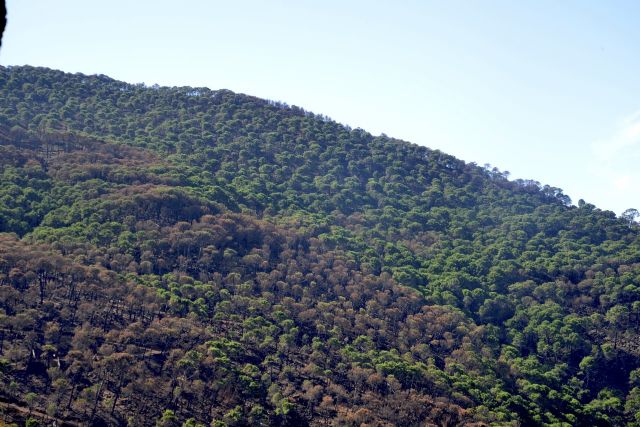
(246,262)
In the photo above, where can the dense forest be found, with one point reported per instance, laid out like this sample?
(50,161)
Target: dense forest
(191,257)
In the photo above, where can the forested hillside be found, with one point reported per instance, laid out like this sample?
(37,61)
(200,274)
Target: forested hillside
(185,257)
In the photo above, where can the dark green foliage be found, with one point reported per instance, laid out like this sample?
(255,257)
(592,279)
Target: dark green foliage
(184,256)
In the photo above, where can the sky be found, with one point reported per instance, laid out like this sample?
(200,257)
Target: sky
(548,90)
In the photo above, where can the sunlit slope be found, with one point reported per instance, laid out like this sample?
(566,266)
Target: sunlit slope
(234,260)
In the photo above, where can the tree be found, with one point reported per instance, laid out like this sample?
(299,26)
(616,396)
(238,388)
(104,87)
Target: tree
(630,215)
(168,419)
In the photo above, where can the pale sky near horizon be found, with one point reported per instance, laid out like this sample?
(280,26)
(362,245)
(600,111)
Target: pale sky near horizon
(548,90)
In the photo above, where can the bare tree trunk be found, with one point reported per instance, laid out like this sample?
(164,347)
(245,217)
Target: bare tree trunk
(96,401)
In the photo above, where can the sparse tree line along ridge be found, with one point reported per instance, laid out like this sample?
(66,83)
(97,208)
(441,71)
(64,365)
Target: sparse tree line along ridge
(186,257)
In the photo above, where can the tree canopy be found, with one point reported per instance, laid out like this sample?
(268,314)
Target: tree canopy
(184,256)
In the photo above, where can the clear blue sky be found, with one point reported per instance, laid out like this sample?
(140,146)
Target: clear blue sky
(548,90)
